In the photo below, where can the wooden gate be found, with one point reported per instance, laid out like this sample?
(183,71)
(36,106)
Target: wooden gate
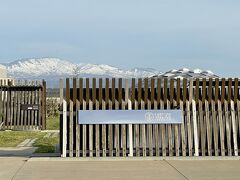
(22,105)
(211,113)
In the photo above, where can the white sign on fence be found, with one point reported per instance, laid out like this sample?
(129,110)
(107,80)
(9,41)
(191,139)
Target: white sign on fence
(130,117)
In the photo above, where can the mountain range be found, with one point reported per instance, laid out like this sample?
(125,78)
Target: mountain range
(52,69)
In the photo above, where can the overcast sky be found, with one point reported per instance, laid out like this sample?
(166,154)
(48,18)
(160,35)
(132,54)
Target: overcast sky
(163,34)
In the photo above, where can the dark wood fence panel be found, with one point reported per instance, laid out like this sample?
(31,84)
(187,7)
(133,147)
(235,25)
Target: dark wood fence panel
(211,115)
(22,105)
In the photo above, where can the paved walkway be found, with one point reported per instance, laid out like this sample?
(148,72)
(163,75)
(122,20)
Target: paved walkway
(21,168)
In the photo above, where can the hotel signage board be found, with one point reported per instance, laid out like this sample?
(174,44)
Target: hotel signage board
(130,116)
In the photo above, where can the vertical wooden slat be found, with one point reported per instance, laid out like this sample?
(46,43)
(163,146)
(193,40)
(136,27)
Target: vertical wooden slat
(110,127)
(118,104)
(25,111)
(97,128)
(15,106)
(61,109)
(110,106)
(167,95)
(155,126)
(214,101)
(209,118)
(84,134)
(220,120)
(208,127)
(144,134)
(137,127)
(89,103)
(195,128)
(68,109)
(29,112)
(81,133)
(64,130)
(4,107)
(77,129)
(182,104)
(227,121)
(44,105)
(234,129)
(1,105)
(74,123)
(71,129)
(125,106)
(102,105)
(203,118)
(150,101)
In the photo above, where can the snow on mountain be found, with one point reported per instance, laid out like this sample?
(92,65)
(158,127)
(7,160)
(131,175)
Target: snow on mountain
(54,68)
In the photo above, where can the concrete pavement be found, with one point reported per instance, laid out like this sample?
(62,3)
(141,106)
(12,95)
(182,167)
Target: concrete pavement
(17,168)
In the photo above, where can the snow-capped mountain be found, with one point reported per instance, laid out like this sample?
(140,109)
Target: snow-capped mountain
(52,69)
(44,67)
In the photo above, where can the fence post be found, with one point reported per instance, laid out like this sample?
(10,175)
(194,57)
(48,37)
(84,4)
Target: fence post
(130,132)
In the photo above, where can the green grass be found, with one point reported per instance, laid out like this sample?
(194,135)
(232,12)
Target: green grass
(53,123)
(46,145)
(13,138)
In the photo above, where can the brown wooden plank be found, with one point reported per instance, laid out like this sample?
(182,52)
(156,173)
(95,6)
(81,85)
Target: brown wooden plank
(176,103)
(123,127)
(202,128)
(90,127)
(157,127)
(220,121)
(189,128)
(33,112)
(236,91)
(146,106)
(208,126)
(234,129)
(163,133)
(95,105)
(77,129)
(228,134)
(44,105)
(184,125)
(81,92)
(136,127)
(215,120)
(73,123)
(16,104)
(111,106)
(184,91)
(229,97)
(1,104)
(81,133)
(84,134)
(223,91)
(71,129)
(102,105)
(238,118)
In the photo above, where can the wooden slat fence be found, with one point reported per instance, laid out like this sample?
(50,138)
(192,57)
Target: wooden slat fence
(15,97)
(211,113)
